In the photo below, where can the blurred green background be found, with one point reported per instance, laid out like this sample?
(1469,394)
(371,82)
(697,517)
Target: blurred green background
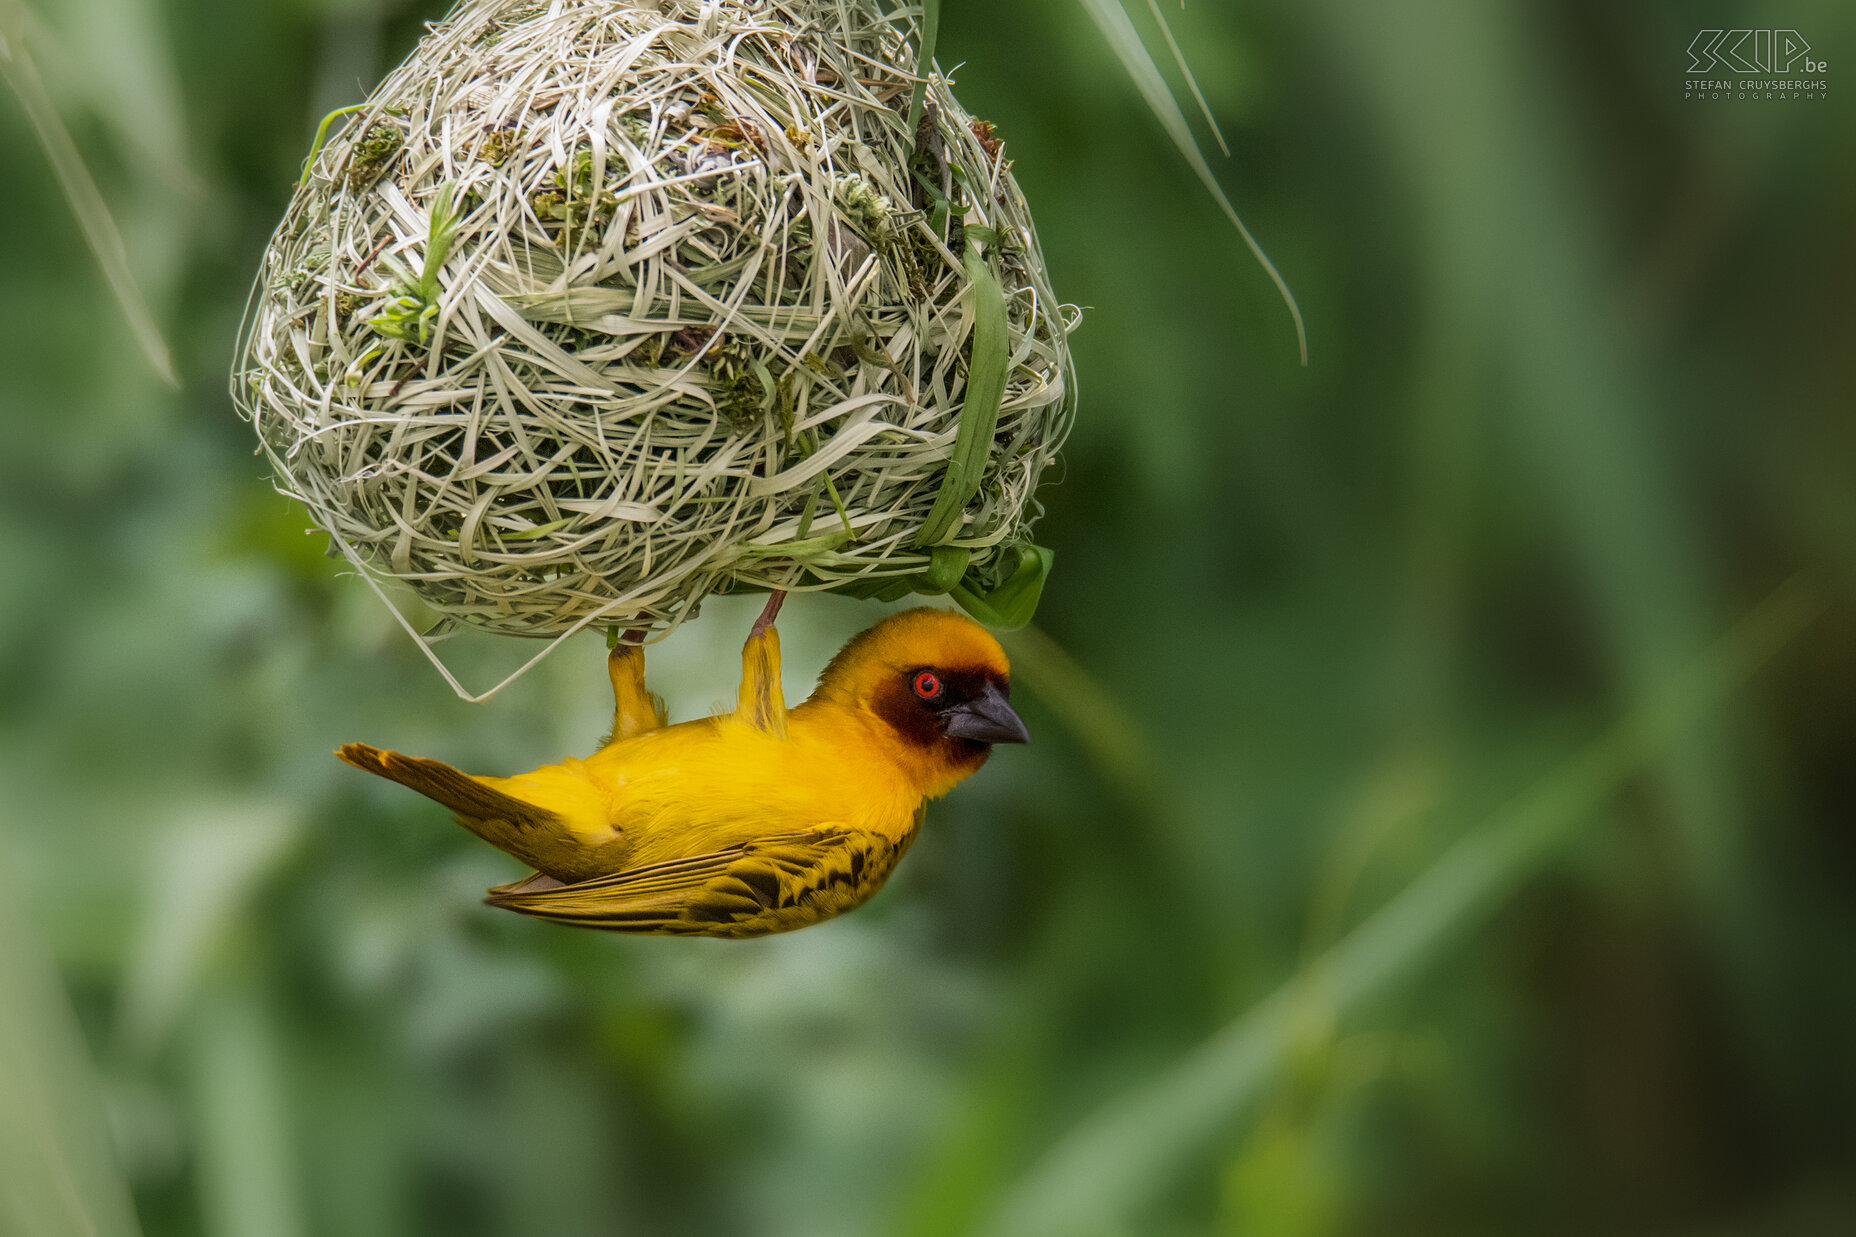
(1440,814)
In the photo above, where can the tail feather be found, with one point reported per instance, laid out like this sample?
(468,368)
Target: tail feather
(460,792)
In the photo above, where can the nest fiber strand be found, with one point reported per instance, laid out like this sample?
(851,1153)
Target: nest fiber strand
(597,307)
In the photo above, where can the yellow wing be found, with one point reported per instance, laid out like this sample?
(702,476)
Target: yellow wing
(771,884)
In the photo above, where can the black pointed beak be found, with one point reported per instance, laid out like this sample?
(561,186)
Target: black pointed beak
(986,719)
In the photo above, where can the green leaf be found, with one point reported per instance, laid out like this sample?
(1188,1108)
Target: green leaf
(1015,601)
(444,230)
(1122,36)
(947,564)
(979,411)
(93,215)
(1185,71)
(924,60)
(410,314)
(322,134)
(877,588)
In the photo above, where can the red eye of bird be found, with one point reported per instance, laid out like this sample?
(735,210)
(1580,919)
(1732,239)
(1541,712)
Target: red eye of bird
(927,686)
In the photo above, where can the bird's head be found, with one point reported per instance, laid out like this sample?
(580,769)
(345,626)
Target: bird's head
(939,681)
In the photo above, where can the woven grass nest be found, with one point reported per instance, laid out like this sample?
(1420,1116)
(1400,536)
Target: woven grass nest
(596,307)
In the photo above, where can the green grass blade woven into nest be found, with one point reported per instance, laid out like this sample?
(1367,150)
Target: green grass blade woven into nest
(592,310)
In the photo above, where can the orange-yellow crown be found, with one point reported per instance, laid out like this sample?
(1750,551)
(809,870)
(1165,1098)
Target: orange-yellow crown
(913,639)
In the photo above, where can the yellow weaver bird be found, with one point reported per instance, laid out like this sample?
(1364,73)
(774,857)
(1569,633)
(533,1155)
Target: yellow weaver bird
(756,821)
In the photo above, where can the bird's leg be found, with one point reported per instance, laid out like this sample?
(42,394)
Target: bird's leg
(634,708)
(762,703)
(769,612)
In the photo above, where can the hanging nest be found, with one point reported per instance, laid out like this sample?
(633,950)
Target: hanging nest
(598,307)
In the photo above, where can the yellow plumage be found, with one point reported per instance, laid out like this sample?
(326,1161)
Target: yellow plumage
(758,820)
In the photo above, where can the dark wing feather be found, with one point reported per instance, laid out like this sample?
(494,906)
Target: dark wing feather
(771,884)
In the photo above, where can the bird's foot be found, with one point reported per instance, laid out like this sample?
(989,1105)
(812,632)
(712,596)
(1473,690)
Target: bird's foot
(762,704)
(634,709)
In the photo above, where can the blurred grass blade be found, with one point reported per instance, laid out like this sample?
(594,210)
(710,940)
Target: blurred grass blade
(1135,1146)
(1192,82)
(924,60)
(246,1165)
(979,410)
(58,1177)
(93,216)
(1122,36)
(201,880)
(1118,748)
(125,75)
